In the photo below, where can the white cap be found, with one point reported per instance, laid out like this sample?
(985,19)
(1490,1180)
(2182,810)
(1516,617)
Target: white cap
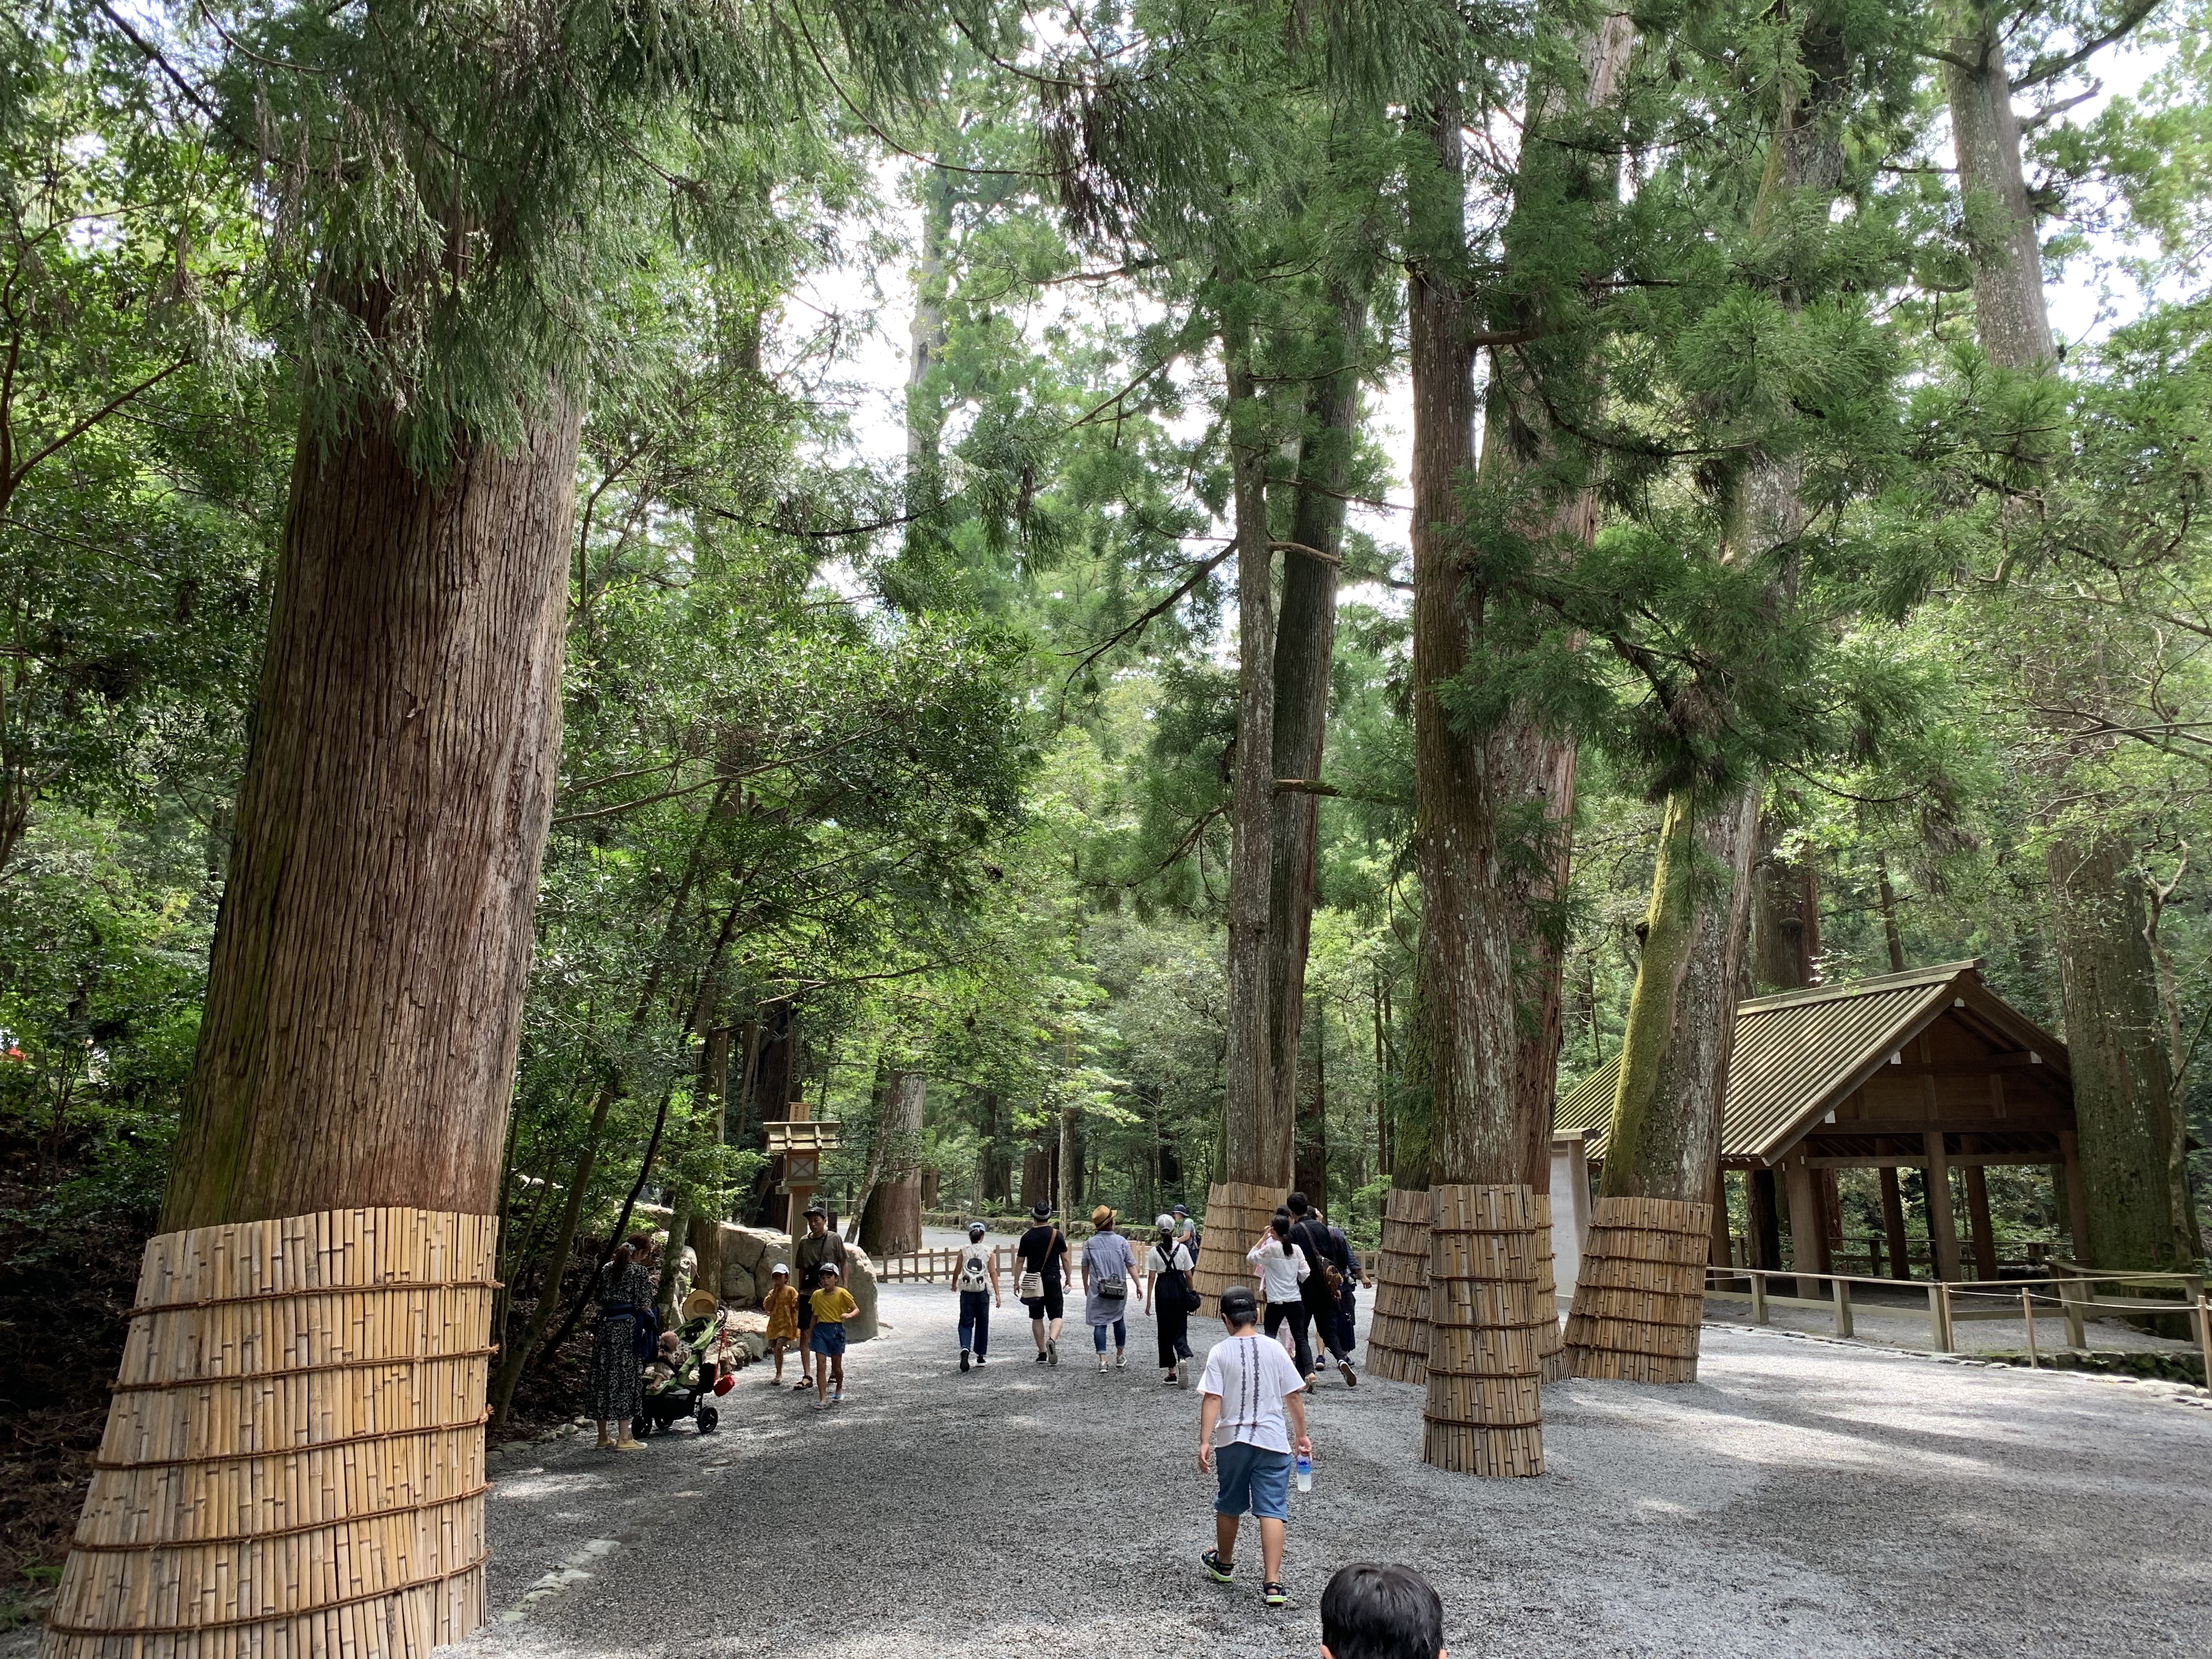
(1166,1224)
(780,1267)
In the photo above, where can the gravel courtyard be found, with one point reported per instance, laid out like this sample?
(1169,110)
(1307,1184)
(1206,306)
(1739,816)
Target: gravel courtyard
(1806,1499)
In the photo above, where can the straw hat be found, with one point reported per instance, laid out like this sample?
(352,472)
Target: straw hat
(699,1304)
(1102,1217)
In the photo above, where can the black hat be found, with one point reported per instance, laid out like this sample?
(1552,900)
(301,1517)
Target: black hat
(1041,1211)
(1238,1305)
(815,1209)
(1179,1209)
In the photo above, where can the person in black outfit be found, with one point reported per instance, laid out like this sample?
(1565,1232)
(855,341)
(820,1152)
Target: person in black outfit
(1042,1254)
(1310,1235)
(1347,1298)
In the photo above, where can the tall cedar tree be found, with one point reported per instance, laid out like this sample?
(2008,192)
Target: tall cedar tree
(2133,1133)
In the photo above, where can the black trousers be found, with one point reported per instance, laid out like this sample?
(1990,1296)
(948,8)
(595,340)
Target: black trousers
(1173,1328)
(1322,1309)
(1300,1317)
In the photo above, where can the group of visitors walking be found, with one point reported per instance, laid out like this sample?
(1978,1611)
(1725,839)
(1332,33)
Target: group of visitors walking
(1306,1268)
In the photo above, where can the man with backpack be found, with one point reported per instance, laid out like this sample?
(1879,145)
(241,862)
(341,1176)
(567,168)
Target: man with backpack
(1322,1288)
(976,1278)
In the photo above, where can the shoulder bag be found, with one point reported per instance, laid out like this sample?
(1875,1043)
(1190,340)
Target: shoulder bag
(1113,1289)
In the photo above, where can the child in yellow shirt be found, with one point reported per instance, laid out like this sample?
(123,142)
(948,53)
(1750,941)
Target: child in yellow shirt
(833,1305)
(782,1310)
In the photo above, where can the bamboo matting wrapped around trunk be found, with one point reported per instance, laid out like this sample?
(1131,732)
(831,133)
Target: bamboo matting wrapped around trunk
(1398,1332)
(1641,1300)
(293,1464)
(1550,1341)
(1483,1415)
(1236,1214)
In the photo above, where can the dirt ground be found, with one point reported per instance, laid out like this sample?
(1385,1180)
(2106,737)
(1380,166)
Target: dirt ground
(1804,1497)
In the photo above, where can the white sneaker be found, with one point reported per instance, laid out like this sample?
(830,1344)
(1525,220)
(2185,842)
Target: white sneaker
(1182,1373)
(1101,1365)
(1120,1359)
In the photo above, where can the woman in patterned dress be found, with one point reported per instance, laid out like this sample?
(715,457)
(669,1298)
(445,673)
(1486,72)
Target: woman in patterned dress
(617,1388)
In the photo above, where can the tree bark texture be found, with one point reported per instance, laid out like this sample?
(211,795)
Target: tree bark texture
(892,1225)
(1466,963)
(358,1044)
(2137,1198)
(1305,645)
(1259,1128)
(1785,925)
(2139,1211)
(1665,1138)
(2011,318)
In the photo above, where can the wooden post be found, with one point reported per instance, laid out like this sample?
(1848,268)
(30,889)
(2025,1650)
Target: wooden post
(1893,1225)
(2027,1317)
(1978,1212)
(1840,1290)
(1759,1298)
(1939,1316)
(2071,1299)
(2204,1339)
(1942,1230)
(1808,1233)
(1723,1252)
(2077,1202)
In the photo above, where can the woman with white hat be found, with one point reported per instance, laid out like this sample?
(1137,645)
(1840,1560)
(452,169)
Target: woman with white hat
(1169,1298)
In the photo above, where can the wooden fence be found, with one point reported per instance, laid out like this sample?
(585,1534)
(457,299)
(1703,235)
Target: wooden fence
(2071,1293)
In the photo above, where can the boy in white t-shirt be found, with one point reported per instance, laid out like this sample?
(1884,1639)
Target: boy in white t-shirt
(1249,1386)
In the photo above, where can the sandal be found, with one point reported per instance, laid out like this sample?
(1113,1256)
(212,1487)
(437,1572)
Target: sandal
(1272,1594)
(1221,1571)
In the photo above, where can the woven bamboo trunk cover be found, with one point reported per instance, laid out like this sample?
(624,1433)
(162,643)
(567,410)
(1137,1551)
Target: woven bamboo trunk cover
(1236,1214)
(294,1461)
(1550,1341)
(1398,1334)
(1641,1300)
(1483,1415)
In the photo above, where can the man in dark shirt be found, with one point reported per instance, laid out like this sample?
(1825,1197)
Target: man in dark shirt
(1043,1259)
(1309,1235)
(817,1246)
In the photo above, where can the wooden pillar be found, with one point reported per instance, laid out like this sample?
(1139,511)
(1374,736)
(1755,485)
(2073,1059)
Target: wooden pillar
(1765,1220)
(2077,1203)
(1721,1254)
(1942,1230)
(1808,1230)
(1893,1225)
(1978,1212)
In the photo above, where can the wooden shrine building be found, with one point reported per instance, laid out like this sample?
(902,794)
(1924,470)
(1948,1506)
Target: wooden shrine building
(1927,1070)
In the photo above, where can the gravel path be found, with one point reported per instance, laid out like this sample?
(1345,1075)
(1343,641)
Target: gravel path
(1806,1499)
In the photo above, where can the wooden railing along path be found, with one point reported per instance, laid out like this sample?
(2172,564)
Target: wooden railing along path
(2071,1293)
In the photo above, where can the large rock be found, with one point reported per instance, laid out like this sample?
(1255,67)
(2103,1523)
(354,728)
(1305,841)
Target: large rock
(860,1279)
(748,1255)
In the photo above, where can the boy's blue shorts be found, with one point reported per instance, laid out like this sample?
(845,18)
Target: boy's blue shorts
(1253,1479)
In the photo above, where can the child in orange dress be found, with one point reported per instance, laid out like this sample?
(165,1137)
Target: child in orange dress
(782,1308)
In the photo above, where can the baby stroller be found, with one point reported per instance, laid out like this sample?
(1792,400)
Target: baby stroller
(683,1381)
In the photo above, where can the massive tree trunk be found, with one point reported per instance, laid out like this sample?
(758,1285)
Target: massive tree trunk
(1533,769)
(2132,1130)
(1259,1128)
(349,1100)
(1466,992)
(1306,644)
(1681,1018)
(1494,813)
(891,1225)
(365,986)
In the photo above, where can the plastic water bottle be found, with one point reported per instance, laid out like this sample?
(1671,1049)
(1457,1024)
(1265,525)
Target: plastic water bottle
(1304,1470)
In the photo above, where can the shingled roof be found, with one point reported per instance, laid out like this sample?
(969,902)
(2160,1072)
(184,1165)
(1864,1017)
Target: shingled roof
(1800,1053)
